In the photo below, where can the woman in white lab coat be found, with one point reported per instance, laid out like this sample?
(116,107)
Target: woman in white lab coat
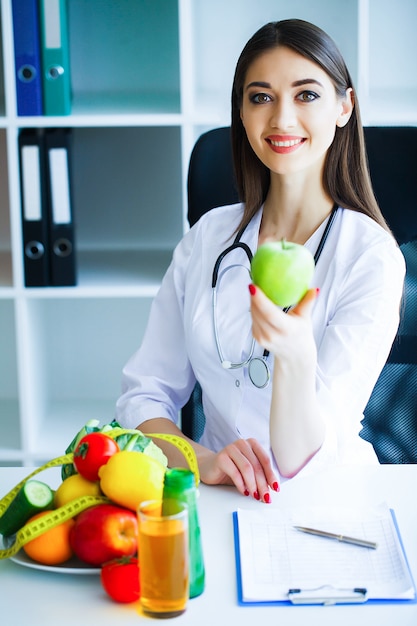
(283,392)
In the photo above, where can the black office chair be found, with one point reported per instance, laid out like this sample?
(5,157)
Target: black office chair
(390,421)
(210,184)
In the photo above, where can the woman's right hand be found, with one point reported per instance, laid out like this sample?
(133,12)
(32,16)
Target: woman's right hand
(243,463)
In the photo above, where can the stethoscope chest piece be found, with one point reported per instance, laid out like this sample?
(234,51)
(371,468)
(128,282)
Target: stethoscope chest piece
(258,372)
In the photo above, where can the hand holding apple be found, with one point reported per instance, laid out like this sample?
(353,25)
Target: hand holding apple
(283,270)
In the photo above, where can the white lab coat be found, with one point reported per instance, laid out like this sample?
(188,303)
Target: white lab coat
(360,274)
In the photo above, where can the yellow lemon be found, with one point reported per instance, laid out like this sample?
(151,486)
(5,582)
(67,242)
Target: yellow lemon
(130,477)
(74,487)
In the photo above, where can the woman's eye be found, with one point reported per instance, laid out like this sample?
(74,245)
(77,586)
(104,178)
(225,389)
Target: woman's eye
(308,96)
(260,98)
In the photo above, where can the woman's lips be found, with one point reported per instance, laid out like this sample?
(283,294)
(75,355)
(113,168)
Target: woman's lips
(283,145)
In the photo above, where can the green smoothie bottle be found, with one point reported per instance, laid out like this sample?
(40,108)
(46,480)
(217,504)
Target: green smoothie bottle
(179,484)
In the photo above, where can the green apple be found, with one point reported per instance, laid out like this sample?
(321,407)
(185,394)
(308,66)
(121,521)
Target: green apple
(283,270)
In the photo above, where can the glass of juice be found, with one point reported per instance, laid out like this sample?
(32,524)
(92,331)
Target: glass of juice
(163,557)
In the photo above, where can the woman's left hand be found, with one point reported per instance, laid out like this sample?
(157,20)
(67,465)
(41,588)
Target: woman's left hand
(243,463)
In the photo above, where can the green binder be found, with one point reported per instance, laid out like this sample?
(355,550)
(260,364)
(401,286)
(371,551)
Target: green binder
(56,77)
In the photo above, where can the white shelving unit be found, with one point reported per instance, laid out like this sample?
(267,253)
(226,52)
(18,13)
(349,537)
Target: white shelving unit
(148,78)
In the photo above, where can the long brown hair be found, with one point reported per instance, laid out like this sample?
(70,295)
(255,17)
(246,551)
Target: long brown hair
(346,174)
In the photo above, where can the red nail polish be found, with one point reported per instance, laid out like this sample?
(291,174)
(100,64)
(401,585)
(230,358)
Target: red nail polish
(317,291)
(267,498)
(246,492)
(275,486)
(252,289)
(256,495)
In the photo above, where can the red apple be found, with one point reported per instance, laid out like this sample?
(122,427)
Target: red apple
(104,532)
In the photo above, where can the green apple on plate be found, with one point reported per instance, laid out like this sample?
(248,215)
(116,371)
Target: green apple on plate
(283,270)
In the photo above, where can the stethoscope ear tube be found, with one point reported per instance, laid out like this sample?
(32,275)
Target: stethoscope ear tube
(228,365)
(233,246)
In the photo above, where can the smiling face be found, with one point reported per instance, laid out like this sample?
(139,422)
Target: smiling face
(290,111)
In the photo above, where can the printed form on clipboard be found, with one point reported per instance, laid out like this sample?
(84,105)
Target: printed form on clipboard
(277,563)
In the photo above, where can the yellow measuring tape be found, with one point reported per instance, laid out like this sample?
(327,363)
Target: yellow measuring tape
(33,529)
(179,442)
(186,448)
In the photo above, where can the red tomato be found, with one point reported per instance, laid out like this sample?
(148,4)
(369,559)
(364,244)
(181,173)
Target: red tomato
(91,452)
(120,579)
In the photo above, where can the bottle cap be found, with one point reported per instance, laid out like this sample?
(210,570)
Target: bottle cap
(179,478)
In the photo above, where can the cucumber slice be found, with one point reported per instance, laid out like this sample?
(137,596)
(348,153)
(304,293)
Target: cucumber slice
(34,497)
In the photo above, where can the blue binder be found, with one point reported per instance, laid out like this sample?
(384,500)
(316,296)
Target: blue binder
(27,55)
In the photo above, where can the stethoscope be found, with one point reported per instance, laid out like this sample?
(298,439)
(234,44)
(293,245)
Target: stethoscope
(258,368)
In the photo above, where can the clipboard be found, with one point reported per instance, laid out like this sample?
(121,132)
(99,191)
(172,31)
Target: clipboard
(325,594)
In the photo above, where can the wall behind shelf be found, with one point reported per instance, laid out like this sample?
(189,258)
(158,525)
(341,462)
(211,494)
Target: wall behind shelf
(391,87)
(127,187)
(8,365)
(73,366)
(2,93)
(9,404)
(4,196)
(222,28)
(393,45)
(125,54)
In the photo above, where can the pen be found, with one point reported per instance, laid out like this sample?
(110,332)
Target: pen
(322,533)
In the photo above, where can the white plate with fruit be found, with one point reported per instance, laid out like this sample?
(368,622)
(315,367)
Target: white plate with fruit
(90,519)
(72,566)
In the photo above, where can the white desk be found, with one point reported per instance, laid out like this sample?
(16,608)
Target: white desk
(44,599)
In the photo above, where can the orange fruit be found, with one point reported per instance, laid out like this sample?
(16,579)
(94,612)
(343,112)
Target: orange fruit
(53,546)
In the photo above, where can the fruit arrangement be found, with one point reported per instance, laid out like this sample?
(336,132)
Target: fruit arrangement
(106,473)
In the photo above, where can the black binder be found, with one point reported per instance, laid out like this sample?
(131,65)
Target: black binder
(34,207)
(62,257)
